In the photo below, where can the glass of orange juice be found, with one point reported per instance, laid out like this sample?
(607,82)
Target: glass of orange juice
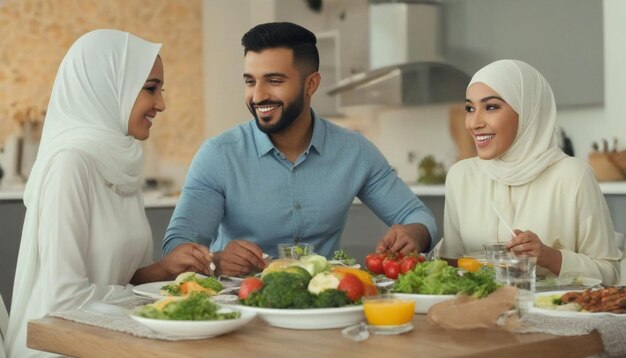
(387,314)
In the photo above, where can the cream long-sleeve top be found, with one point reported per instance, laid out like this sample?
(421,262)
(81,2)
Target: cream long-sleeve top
(91,241)
(564,206)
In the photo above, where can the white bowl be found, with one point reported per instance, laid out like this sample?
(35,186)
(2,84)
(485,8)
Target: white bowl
(195,329)
(423,302)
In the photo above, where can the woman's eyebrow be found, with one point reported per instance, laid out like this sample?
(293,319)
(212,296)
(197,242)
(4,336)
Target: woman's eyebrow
(486,99)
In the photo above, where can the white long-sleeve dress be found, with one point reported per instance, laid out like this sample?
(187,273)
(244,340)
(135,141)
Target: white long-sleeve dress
(91,241)
(564,206)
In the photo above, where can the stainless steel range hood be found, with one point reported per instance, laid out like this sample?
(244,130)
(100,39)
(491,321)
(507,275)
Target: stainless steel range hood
(405,57)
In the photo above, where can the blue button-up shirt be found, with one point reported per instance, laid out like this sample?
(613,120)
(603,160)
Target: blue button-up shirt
(239,186)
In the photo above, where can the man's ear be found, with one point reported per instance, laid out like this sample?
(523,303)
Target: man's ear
(312,83)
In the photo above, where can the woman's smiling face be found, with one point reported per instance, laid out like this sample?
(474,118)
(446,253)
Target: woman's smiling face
(490,121)
(149,102)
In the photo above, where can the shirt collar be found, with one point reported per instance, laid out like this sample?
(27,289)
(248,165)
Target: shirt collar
(319,134)
(264,144)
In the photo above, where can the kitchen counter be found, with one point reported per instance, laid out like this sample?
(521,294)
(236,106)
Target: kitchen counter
(361,232)
(154,199)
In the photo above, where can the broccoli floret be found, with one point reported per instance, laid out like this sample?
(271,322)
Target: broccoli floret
(281,290)
(331,298)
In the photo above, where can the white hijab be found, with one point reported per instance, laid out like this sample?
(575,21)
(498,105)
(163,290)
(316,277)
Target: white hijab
(535,146)
(94,92)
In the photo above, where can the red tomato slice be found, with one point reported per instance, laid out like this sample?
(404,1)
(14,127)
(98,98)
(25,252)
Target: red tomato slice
(352,286)
(248,286)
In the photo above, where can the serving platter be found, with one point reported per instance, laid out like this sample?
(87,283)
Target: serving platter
(563,313)
(565,284)
(312,318)
(153,289)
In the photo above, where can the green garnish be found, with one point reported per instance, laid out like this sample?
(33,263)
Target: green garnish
(340,255)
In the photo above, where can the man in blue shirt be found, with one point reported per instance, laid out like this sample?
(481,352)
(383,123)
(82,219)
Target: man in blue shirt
(288,175)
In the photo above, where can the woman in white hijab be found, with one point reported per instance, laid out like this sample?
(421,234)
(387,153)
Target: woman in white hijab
(86,235)
(552,201)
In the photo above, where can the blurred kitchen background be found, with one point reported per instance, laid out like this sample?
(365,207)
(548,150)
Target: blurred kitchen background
(395,71)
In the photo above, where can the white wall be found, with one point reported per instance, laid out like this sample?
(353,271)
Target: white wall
(396,131)
(224,23)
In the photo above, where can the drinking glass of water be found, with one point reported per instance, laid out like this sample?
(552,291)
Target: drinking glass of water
(519,272)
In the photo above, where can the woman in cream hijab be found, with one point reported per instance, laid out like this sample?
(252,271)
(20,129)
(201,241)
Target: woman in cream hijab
(86,236)
(552,201)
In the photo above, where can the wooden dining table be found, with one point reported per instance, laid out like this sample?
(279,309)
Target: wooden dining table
(257,339)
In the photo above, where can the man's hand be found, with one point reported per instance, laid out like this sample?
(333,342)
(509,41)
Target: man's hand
(240,257)
(188,257)
(404,239)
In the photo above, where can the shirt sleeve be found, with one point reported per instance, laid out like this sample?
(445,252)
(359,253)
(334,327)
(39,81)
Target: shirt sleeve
(64,224)
(200,208)
(390,198)
(597,255)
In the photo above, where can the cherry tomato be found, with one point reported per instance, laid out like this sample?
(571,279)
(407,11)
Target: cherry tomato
(391,267)
(374,263)
(408,263)
(352,286)
(248,286)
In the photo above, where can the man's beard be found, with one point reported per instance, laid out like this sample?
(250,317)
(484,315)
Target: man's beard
(288,116)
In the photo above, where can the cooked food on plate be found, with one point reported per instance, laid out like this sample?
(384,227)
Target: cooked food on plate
(609,299)
(190,282)
(195,307)
(309,282)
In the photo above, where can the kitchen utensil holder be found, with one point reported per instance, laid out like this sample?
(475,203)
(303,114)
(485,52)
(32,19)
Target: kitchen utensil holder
(608,166)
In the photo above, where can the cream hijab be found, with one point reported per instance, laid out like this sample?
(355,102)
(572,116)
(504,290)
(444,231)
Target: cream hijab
(535,146)
(93,94)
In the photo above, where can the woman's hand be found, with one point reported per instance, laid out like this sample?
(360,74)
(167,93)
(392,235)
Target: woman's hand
(528,243)
(184,258)
(188,257)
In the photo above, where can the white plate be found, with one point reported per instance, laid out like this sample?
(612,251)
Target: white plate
(313,318)
(566,284)
(573,314)
(423,302)
(339,263)
(153,289)
(194,329)
(384,282)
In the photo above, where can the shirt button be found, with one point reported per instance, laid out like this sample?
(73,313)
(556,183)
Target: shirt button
(297,206)
(293,170)
(296,239)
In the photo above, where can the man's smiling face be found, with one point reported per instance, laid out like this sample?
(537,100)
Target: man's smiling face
(274,89)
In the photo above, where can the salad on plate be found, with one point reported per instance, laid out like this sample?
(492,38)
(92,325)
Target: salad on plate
(191,317)
(190,282)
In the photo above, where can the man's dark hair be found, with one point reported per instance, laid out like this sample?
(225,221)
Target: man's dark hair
(285,35)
